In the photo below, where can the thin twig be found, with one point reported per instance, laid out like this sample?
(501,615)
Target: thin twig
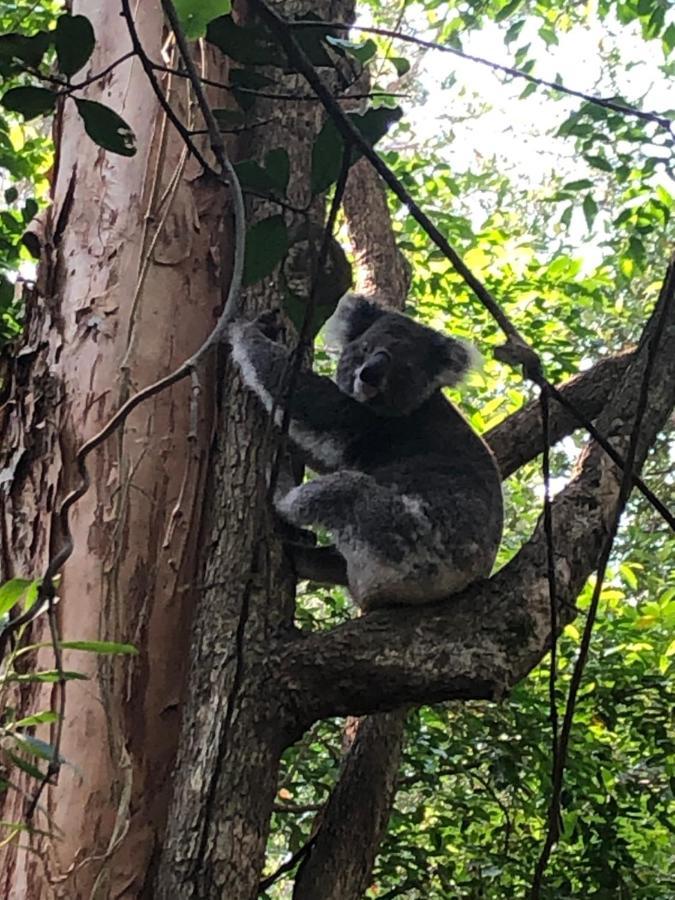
(626,110)
(290,864)
(149,69)
(68,87)
(550,565)
(666,297)
(275,95)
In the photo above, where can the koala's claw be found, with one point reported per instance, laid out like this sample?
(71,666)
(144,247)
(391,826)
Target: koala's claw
(271,324)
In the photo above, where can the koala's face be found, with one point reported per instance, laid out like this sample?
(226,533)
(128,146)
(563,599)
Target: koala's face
(389,362)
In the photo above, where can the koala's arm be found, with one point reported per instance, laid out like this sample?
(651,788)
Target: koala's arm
(323,420)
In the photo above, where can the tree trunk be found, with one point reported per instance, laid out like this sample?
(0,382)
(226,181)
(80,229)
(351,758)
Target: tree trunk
(235,723)
(130,257)
(349,829)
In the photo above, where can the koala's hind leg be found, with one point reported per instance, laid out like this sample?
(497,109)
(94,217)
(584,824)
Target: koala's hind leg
(393,551)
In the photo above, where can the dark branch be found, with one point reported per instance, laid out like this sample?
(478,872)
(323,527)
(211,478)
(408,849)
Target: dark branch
(518,439)
(622,108)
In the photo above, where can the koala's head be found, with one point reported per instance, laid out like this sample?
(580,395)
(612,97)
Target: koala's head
(390,362)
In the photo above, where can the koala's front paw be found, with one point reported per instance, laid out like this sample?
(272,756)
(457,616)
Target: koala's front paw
(271,324)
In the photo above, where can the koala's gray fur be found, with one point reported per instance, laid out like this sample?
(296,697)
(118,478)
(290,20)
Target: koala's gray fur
(410,493)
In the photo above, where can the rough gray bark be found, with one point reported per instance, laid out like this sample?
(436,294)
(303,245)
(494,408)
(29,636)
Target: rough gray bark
(235,723)
(354,820)
(349,829)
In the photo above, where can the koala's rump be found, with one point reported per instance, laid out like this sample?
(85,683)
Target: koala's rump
(439,509)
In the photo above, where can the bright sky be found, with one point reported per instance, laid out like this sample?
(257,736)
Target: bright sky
(517,129)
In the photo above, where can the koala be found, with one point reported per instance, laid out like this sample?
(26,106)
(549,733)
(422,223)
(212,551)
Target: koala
(410,494)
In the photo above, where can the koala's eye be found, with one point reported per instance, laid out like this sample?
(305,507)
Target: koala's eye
(365,347)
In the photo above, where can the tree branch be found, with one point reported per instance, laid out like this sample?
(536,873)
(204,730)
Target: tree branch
(339,863)
(623,108)
(480,643)
(518,439)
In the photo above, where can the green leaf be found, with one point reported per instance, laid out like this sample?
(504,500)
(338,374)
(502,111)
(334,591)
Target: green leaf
(375,123)
(228,119)
(12,591)
(529,89)
(46,675)
(243,81)
(32,243)
(106,128)
(99,647)
(566,216)
(599,162)
(29,101)
(668,37)
(361,52)
(580,185)
(74,41)
(278,168)
(195,15)
(247,45)
(590,208)
(514,30)
(252,176)
(26,767)
(272,176)
(507,10)
(36,747)
(266,246)
(327,154)
(6,299)
(28,50)
(328,148)
(41,718)
(401,64)
(295,306)
(312,40)
(29,210)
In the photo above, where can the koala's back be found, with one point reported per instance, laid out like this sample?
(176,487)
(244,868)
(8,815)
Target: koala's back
(434,460)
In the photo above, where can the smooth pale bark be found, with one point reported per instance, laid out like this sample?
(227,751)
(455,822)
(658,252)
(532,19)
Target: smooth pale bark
(127,290)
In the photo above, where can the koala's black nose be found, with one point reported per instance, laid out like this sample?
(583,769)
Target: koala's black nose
(374,368)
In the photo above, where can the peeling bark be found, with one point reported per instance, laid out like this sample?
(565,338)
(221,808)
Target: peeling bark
(128,252)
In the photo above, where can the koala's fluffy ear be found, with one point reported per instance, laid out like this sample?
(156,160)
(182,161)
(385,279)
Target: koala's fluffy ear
(354,315)
(457,358)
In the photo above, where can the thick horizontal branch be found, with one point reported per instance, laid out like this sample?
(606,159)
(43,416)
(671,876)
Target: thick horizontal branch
(480,643)
(518,439)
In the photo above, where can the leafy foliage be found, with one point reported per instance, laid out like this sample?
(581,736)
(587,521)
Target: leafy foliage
(575,259)
(20,747)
